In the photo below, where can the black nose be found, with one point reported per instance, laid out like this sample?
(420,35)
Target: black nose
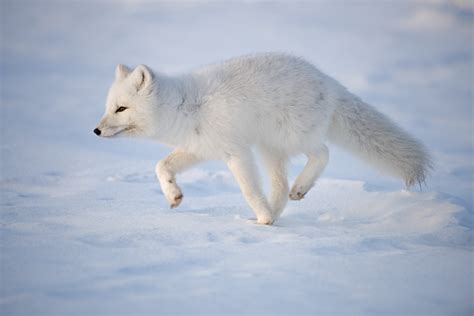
(97,131)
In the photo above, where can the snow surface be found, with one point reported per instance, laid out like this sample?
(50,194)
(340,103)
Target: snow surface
(85,229)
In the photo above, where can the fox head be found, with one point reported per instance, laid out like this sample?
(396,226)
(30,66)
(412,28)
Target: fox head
(127,110)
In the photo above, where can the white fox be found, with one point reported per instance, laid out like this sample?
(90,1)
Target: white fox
(279,104)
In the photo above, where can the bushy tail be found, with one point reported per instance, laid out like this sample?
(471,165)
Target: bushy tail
(359,128)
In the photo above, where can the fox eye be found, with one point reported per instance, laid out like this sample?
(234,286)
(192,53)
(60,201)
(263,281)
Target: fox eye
(121,109)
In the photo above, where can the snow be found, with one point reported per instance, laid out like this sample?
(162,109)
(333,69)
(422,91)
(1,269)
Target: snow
(85,229)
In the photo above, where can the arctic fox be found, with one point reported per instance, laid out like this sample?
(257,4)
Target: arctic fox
(279,104)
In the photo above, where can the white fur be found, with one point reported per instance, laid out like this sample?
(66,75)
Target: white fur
(280,104)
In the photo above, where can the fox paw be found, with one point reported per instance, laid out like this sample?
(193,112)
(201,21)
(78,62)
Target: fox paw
(174,196)
(177,201)
(265,220)
(298,192)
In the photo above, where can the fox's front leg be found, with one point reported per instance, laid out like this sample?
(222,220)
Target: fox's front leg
(245,172)
(276,163)
(166,171)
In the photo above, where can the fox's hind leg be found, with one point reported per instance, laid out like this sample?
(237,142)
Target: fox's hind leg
(166,171)
(276,165)
(317,161)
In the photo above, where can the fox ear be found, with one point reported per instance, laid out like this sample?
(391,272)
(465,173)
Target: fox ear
(121,71)
(141,77)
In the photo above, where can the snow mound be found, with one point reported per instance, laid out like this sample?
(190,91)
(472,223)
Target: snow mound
(77,244)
